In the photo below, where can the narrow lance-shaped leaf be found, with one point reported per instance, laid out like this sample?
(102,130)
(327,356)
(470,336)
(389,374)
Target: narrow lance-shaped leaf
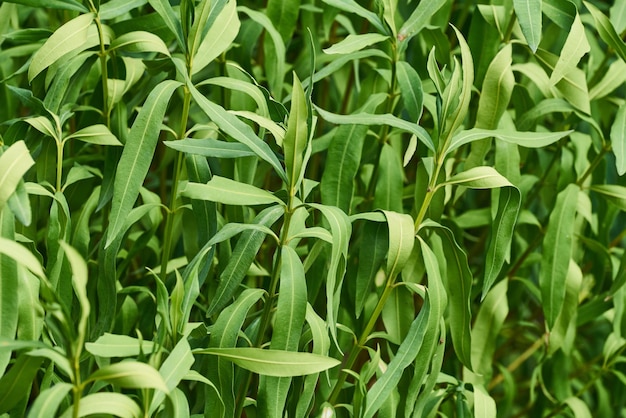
(618,140)
(49,400)
(489,320)
(219,37)
(72,35)
(130,374)
(401,239)
(224,335)
(353,43)
(606,30)
(278,363)
(389,182)
(137,155)
(289,320)
(576,46)
(352,6)
(419,19)
(497,89)
(557,251)
(297,135)
(529,17)
(106,403)
(411,89)
(239,130)
(14,163)
(174,369)
(524,139)
(242,257)
(164,9)
(16,383)
(375,119)
(230,192)
(9,289)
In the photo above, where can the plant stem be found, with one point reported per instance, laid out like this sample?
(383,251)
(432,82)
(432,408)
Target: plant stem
(518,361)
(173,206)
(106,109)
(60,145)
(356,349)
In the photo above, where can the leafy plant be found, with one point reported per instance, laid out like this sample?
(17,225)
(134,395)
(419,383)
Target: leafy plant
(312,208)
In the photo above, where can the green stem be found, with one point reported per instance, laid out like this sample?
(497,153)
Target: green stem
(430,192)
(356,349)
(60,145)
(173,206)
(105,75)
(594,164)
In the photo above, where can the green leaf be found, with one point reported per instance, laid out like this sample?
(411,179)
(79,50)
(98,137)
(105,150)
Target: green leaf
(576,46)
(352,6)
(16,383)
(20,254)
(578,407)
(411,88)
(406,354)
(173,370)
(284,16)
(289,320)
(529,17)
(106,403)
(372,251)
(353,43)
(115,8)
(557,251)
(14,163)
(69,37)
(479,178)
(297,135)
(278,363)
(501,234)
(95,134)
(113,345)
(390,181)
(496,91)
(210,148)
(607,31)
(489,320)
(218,38)
(242,257)
(137,156)
(613,193)
(377,119)
(54,4)
(618,140)
(524,139)
(401,239)
(79,283)
(484,405)
(166,12)
(130,374)
(48,401)
(139,41)
(238,130)
(230,192)
(419,19)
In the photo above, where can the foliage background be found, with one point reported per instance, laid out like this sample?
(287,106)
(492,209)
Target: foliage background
(312,208)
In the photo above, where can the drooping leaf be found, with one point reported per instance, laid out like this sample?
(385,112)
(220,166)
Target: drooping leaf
(130,374)
(419,19)
(524,139)
(230,192)
(353,43)
(48,401)
(277,363)
(210,148)
(95,134)
(352,6)
(114,345)
(106,403)
(14,163)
